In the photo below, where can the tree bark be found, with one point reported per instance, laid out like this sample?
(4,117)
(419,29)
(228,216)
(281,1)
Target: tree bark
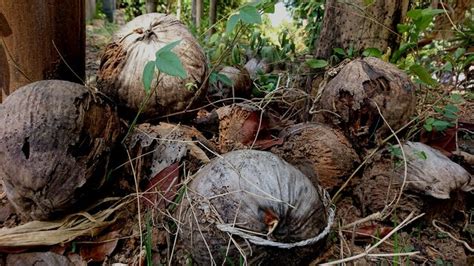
(90,9)
(193,11)
(178,10)
(41,40)
(212,16)
(199,8)
(352,23)
(151,6)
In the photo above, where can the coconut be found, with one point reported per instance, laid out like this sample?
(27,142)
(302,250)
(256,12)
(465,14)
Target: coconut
(248,203)
(241,83)
(430,175)
(326,151)
(351,98)
(56,142)
(135,44)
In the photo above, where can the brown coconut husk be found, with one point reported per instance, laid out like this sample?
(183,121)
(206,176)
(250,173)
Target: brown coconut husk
(349,101)
(135,44)
(241,84)
(56,143)
(326,151)
(271,209)
(433,184)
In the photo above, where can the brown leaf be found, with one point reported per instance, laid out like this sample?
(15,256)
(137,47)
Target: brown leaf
(444,141)
(103,247)
(367,232)
(162,187)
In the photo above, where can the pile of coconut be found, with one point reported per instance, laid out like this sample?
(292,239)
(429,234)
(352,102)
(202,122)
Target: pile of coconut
(233,182)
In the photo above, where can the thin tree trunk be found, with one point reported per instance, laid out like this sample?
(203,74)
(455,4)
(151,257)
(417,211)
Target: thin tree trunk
(178,10)
(199,8)
(352,23)
(41,40)
(151,6)
(90,9)
(193,11)
(212,16)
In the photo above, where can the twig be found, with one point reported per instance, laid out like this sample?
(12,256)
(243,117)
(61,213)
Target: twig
(452,237)
(367,251)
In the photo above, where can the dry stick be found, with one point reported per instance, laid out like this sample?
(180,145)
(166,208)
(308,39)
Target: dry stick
(405,222)
(452,237)
(138,203)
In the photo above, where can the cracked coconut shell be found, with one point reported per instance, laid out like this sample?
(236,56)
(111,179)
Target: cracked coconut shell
(261,195)
(134,45)
(324,150)
(350,100)
(56,138)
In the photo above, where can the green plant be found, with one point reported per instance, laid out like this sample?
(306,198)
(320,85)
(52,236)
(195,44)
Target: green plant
(445,116)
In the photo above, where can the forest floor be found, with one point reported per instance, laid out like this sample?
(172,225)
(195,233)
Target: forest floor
(440,237)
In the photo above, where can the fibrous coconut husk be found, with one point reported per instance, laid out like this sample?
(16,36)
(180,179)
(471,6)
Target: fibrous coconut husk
(57,138)
(350,100)
(242,126)
(241,83)
(256,196)
(158,151)
(431,179)
(326,151)
(134,45)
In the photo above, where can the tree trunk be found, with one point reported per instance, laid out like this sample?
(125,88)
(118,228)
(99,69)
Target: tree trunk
(90,9)
(199,8)
(151,6)
(41,40)
(178,10)
(352,23)
(212,16)
(193,11)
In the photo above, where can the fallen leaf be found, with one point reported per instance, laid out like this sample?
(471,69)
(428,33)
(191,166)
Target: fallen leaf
(368,232)
(103,247)
(163,187)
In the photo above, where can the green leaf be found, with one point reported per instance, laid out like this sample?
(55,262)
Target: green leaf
(168,47)
(316,63)
(404,48)
(372,52)
(414,13)
(148,74)
(421,154)
(451,108)
(250,15)
(459,52)
(456,98)
(402,28)
(231,23)
(423,75)
(431,12)
(224,79)
(339,51)
(428,127)
(429,121)
(169,63)
(441,125)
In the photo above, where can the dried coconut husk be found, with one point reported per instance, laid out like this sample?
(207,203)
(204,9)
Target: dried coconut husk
(326,151)
(57,138)
(241,84)
(433,184)
(350,100)
(157,154)
(272,211)
(242,126)
(134,45)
